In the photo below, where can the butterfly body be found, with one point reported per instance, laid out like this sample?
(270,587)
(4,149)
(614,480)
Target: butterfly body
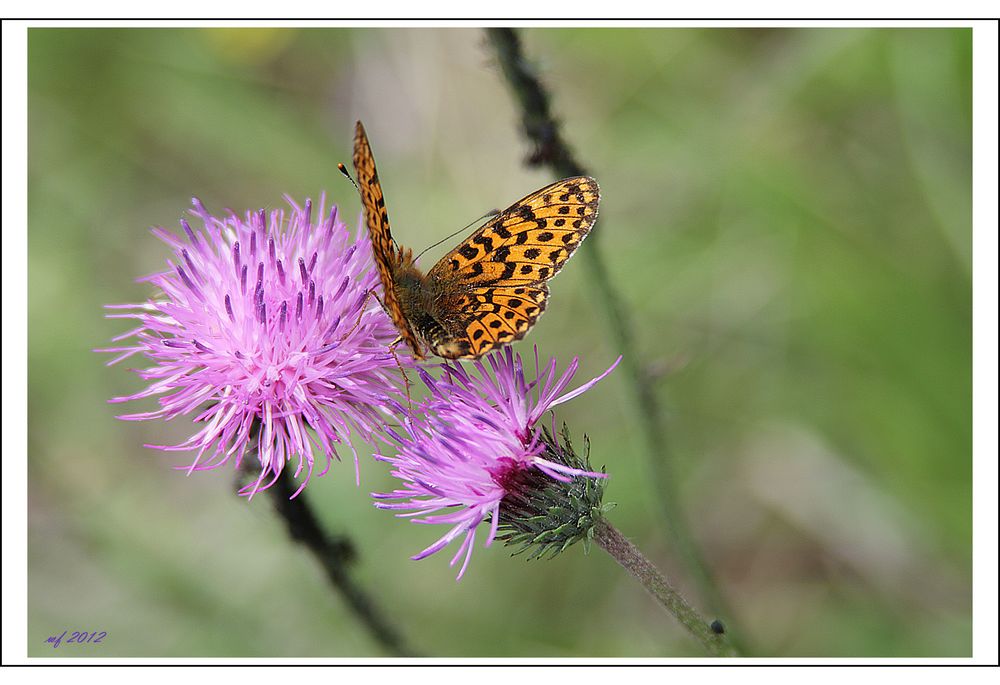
(491,289)
(432,308)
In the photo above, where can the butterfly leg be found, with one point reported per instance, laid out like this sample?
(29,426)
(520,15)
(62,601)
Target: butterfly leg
(361,313)
(406,379)
(392,345)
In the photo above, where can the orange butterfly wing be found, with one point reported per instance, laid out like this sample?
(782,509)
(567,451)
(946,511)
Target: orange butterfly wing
(500,315)
(387,254)
(503,267)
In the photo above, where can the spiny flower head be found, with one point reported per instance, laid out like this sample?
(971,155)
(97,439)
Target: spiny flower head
(474,443)
(264,331)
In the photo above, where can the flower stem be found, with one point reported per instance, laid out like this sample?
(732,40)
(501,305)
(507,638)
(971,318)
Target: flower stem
(335,555)
(628,555)
(551,149)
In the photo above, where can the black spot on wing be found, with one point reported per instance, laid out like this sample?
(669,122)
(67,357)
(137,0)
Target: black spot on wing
(487,243)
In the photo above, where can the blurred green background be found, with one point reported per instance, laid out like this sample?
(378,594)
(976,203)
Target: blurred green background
(787,213)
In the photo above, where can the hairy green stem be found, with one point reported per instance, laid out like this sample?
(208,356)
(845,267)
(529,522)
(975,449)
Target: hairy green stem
(550,149)
(711,635)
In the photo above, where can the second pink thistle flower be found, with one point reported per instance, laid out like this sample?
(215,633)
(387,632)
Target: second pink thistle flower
(474,443)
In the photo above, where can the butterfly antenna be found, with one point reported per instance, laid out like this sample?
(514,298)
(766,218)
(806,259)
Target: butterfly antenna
(492,212)
(345,172)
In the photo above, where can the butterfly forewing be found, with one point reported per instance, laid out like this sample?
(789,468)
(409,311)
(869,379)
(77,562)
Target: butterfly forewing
(529,241)
(384,248)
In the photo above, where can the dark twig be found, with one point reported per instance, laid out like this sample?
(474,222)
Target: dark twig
(335,554)
(551,150)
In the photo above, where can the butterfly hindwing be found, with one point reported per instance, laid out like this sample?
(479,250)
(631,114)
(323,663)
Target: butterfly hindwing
(497,315)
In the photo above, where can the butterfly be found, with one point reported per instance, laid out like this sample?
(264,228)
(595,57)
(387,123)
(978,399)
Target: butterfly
(491,289)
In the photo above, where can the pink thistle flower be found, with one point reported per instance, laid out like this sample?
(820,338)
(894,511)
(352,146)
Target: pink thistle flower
(264,331)
(473,443)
